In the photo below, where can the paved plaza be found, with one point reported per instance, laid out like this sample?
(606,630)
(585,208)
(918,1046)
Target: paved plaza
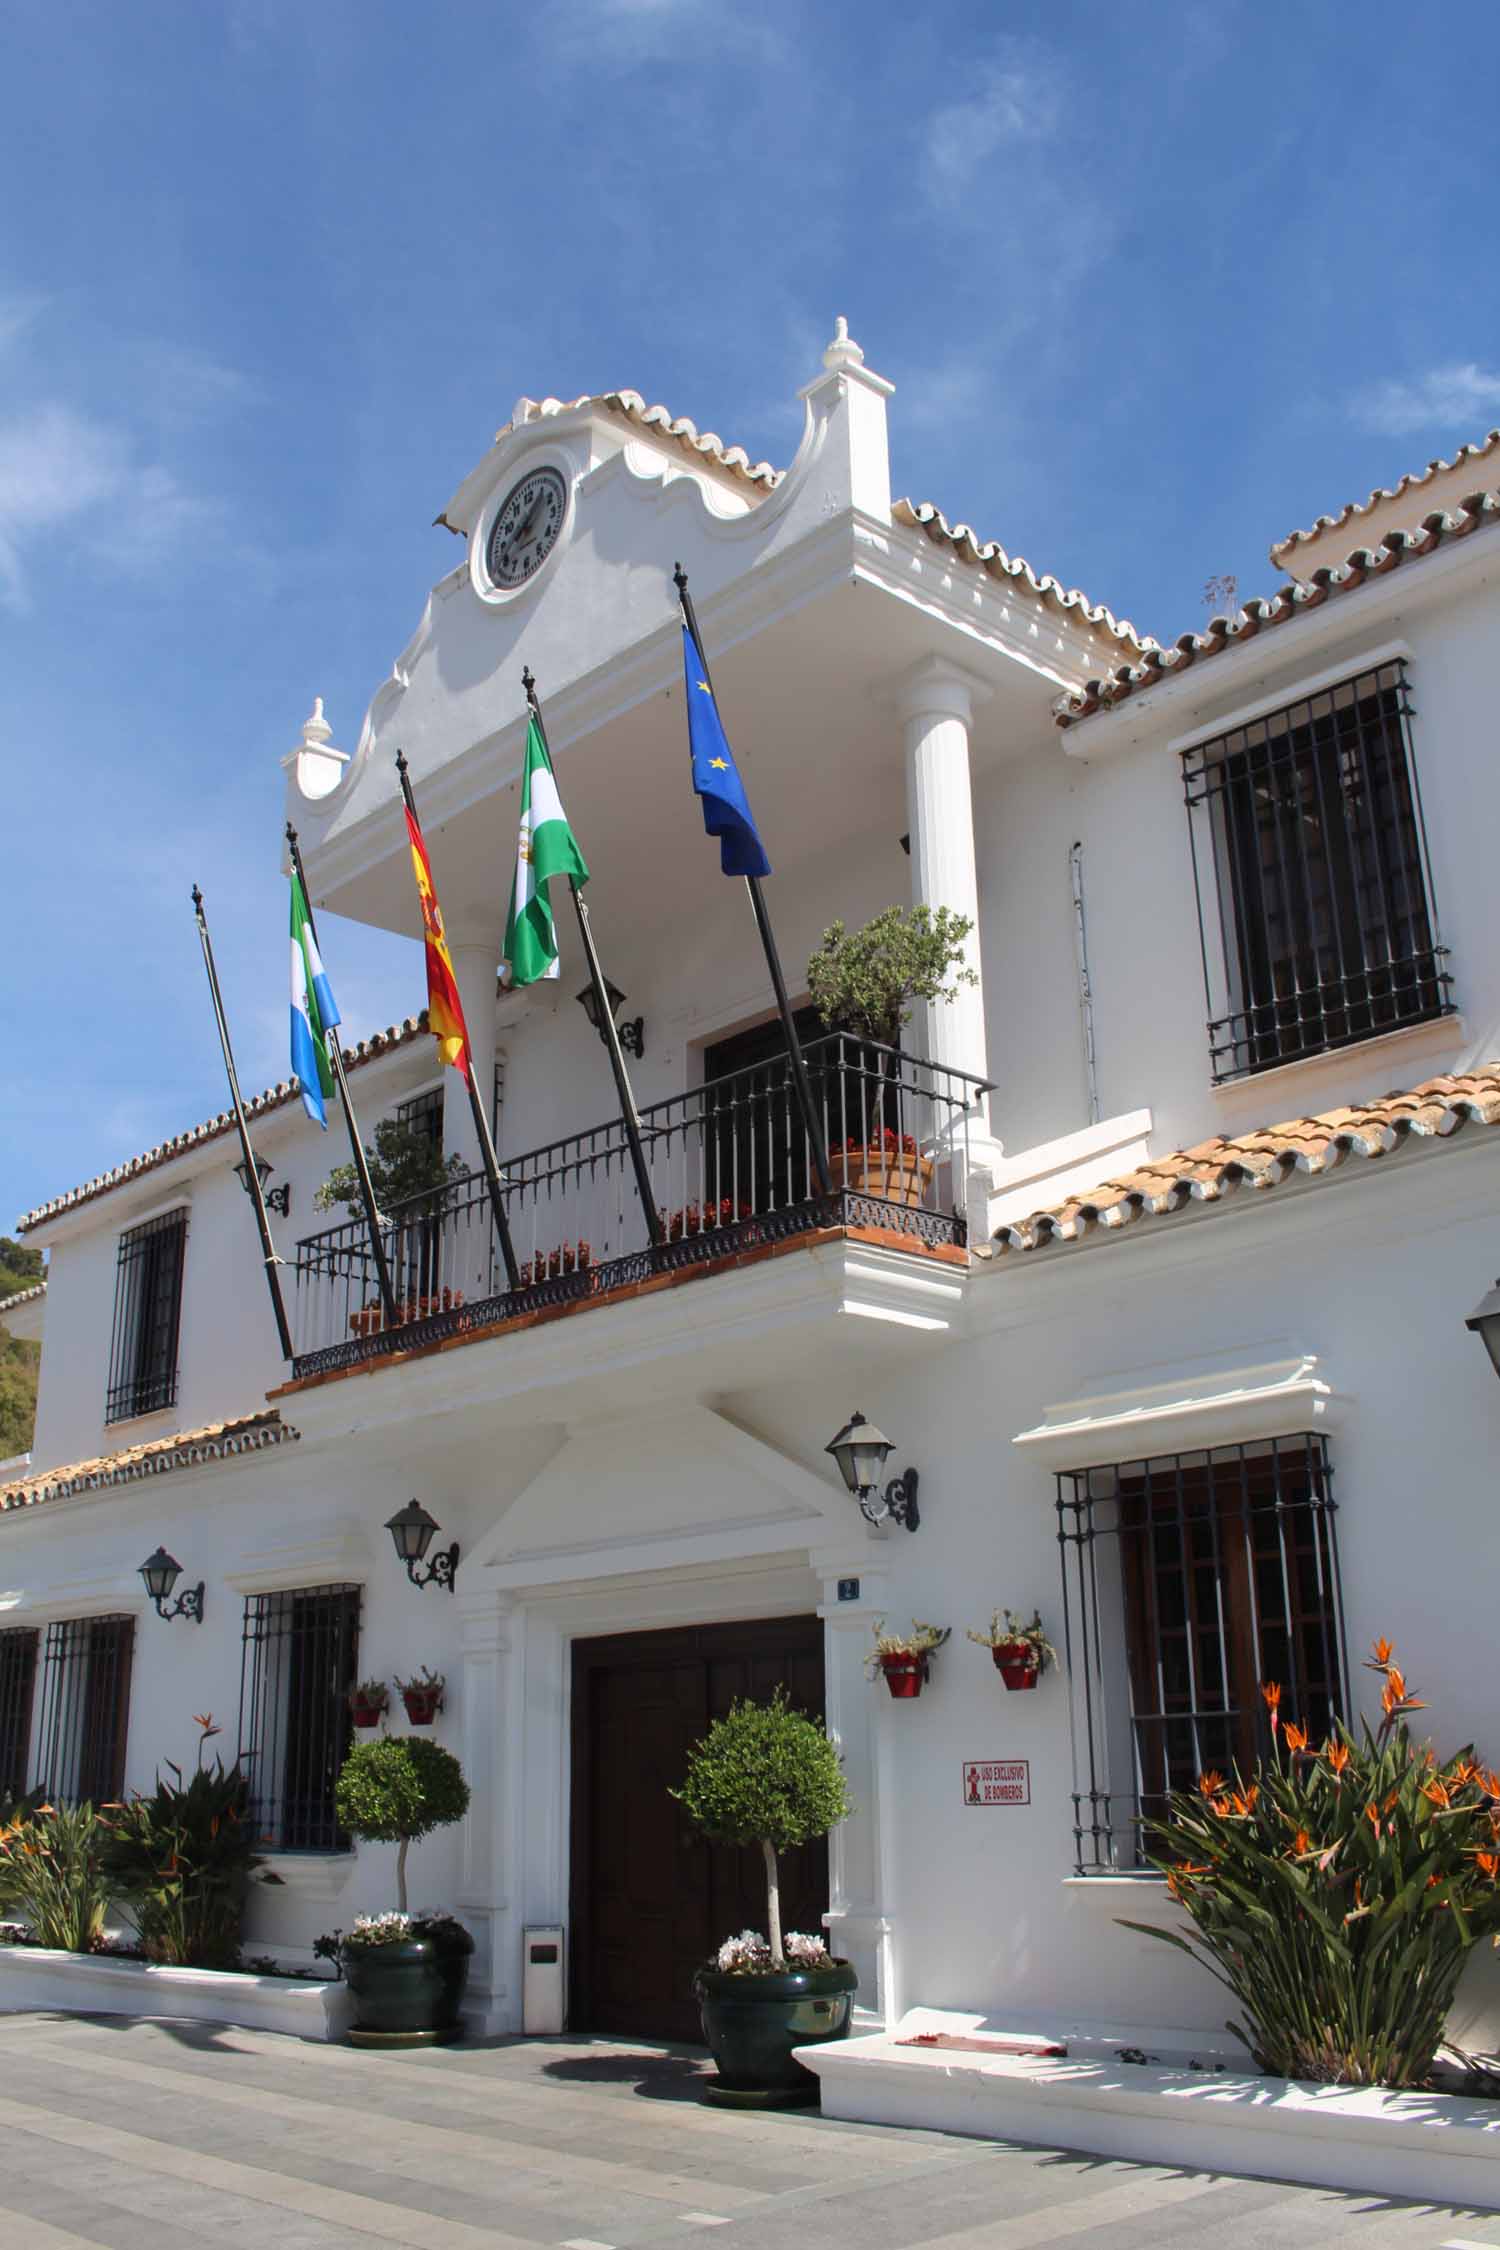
(125,2136)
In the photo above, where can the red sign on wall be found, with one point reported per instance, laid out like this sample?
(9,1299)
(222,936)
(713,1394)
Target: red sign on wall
(997,1781)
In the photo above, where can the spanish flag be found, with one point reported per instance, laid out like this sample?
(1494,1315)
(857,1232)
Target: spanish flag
(445,1013)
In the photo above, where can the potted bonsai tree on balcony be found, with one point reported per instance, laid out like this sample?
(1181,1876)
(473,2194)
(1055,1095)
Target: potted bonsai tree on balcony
(405,1162)
(1021,1652)
(406,1972)
(768,1777)
(863,982)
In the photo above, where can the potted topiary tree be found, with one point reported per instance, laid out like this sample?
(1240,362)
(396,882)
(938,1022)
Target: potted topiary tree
(406,1971)
(863,982)
(767,1775)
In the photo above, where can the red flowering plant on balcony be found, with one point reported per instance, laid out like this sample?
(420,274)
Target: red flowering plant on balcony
(1338,1889)
(551,1265)
(885,1142)
(703,1218)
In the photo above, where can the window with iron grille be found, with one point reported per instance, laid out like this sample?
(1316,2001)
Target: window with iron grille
(18,1648)
(424,1114)
(148,1303)
(301,1648)
(1314,889)
(85,1708)
(1187,1581)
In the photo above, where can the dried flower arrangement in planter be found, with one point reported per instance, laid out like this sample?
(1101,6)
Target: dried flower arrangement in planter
(423,1696)
(904,1658)
(1021,1652)
(369,1701)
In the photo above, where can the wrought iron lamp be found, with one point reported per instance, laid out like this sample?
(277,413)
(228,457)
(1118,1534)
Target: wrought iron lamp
(411,1529)
(860,1451)
(1485,1322)
(277,1199)
(161,1572)
(632,1031)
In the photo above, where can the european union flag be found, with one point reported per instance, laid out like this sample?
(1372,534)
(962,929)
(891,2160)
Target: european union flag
(716,777)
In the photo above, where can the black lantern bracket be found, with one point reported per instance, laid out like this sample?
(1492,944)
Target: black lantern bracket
(276,1199)
(161,1573)
(412,1531)
(860,1451)
(631,1031)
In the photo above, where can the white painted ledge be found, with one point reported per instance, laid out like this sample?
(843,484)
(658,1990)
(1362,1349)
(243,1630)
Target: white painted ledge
(33,1978)
(1440,2148)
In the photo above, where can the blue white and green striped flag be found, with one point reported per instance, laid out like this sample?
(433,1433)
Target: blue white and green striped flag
(314,1012)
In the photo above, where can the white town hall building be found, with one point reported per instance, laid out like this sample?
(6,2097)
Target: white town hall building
(1194,1385)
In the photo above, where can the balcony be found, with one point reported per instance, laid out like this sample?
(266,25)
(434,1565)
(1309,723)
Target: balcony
(733,1179)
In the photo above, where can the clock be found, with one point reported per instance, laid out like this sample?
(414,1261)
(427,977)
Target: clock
(526,528)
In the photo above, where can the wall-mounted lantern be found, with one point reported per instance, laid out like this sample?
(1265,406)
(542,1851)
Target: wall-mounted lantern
(161,1573)
(632,1032)
(411,1529)
(1485,1322)
(860,1451)
(277,1199)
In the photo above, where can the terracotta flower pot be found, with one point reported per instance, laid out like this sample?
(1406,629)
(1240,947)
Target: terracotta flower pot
(422,1704)
(1017,1663)
(896,1175)
(904,1674)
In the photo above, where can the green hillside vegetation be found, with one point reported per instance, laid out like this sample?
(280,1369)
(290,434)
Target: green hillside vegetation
(20,1268)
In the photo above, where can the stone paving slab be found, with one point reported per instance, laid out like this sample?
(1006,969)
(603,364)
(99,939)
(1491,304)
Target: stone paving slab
(154,2136)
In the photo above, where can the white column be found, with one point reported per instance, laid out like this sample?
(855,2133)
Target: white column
(488,1879)
(858,1924)
(937,705)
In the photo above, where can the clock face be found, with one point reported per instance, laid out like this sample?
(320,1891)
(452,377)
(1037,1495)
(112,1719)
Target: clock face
(525,531)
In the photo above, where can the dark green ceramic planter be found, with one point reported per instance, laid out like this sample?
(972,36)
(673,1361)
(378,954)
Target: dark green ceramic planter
(414,1986)
(752,2023)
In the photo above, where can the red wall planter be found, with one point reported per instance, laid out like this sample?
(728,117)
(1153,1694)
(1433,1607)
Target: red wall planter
(1017,1664)
(904,1674)
(422,1704)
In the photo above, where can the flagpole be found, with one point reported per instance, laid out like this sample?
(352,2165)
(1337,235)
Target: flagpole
(361,1163)
(815,1134)
(630,1115)
(481,1122)
(273,1278)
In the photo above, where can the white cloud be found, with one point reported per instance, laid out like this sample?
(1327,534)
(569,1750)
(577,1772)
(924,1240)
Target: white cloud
(59,470)
(1444,398)
(1017,100)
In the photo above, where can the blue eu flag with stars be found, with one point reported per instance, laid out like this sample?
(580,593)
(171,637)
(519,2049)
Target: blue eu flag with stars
(716,777)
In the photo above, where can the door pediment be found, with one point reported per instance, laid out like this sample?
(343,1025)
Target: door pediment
(649,1491)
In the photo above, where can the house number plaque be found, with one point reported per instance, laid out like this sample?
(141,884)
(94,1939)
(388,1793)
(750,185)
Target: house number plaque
(997,1781)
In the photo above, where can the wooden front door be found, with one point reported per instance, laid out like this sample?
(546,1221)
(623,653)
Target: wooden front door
(650,1900)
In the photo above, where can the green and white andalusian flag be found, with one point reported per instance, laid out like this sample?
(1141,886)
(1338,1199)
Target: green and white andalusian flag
(545,846)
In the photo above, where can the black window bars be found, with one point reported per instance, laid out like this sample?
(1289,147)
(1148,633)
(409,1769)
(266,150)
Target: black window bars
(301,1648)
(148,1305)
(1188,1580)
(18,1653)
(86,1665)
(1307,837)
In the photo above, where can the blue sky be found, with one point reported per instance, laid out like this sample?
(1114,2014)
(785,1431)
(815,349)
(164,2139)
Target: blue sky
(1155,285)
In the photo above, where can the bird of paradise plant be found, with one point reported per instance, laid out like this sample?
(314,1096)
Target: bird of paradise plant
(182,1858)
(51,1876)
(1338,1891)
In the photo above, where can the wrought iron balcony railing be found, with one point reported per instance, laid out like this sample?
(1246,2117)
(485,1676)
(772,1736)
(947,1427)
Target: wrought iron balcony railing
(731,1167)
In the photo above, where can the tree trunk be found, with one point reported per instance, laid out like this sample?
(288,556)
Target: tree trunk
(773,1905)
(401,1874)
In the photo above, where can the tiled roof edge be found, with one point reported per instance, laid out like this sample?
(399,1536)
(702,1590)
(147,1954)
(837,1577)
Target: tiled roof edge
(1435,1110)
(704,444)
(22,1297)
(216,1441)
(1380,498)
(1294,599)
(988,554)
(260,1105)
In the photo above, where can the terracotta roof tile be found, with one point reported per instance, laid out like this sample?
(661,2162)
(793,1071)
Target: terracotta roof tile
(1313,1146)
(701,444)
(22,1297)
(1295,599)
(214,1128)
(989,555)
(185,1449)
(1381,497)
